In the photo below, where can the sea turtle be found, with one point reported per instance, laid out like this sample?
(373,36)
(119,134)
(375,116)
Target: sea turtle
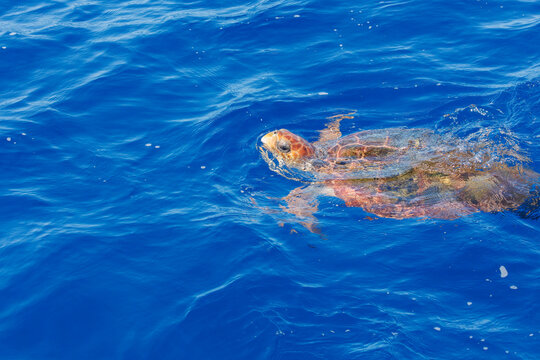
(394,173)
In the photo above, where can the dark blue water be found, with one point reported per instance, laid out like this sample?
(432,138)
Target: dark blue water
(138,220)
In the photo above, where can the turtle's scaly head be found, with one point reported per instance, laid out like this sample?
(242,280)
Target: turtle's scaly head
(287,146)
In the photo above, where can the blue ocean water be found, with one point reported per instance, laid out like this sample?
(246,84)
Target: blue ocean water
(138,220)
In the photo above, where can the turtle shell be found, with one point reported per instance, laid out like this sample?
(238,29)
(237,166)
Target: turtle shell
(375,153)
(407,196)
(419,193)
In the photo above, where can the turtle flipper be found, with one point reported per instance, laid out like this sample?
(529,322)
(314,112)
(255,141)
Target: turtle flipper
(302,202)
(530,209)
(332,131)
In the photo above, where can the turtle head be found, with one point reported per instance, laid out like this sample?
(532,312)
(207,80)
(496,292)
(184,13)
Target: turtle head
(287,146)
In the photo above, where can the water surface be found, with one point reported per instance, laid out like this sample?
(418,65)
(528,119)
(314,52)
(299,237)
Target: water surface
(129,166)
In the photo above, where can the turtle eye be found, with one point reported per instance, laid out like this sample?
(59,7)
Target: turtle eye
(284,146)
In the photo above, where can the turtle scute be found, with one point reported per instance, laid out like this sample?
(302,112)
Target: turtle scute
(372,154)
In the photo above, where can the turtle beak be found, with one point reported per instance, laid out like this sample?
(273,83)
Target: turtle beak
(268,140)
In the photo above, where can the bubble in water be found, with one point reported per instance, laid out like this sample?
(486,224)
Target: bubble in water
(504,272)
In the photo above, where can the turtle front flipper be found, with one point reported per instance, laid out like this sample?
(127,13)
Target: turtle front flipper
(302,202)
(332,131)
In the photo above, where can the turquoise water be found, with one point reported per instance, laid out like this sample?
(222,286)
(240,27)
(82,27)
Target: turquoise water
(140,221)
